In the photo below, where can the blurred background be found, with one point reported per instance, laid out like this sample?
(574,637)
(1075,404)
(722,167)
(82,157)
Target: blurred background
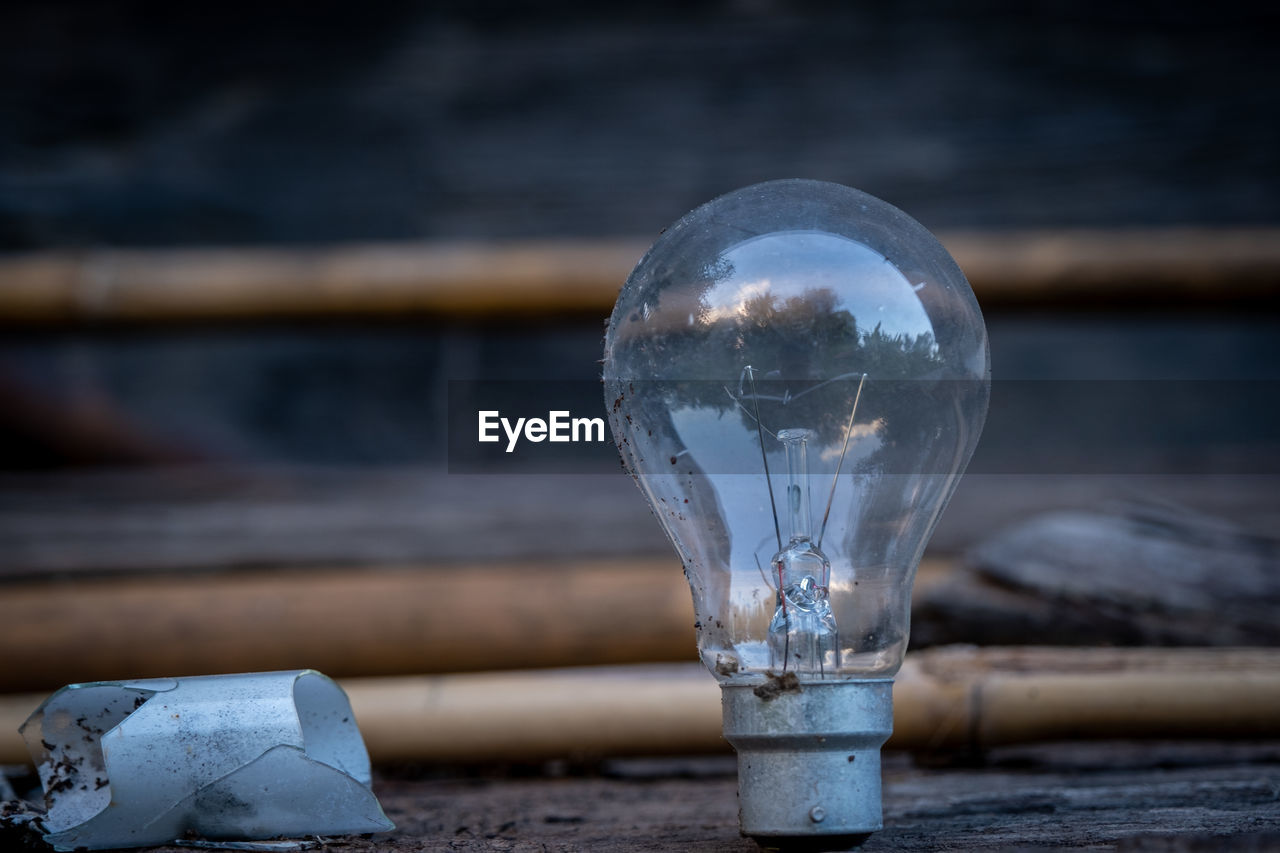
(245,248)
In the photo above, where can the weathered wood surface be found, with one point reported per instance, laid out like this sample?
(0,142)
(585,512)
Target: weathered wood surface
(451,119)
(1145,576)
(386,576)
(216,519)
(157,520)
(407,617)
(1169,797)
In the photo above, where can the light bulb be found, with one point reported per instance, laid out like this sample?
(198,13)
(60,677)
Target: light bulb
(796,375)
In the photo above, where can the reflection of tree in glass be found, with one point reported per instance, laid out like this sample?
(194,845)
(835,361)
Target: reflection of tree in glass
(807,355)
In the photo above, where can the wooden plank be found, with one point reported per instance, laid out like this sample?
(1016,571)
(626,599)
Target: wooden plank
(157,521)
(1195,798)
(558,278)
(1173,797)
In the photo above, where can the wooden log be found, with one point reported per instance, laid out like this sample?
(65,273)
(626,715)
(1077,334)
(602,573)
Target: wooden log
(552,279)
(953,698)
(1147,575)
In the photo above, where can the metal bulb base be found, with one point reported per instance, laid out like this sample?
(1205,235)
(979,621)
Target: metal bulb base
(808,760)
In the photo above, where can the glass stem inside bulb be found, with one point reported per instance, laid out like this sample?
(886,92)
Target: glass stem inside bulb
(802,635)
(796,442)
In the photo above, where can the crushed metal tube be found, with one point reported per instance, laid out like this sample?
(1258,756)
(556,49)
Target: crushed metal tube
(254,756)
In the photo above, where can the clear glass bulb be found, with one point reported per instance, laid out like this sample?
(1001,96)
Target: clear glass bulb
(796,374)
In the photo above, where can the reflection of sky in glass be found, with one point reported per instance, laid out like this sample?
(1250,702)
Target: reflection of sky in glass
(729,456)
(788,264)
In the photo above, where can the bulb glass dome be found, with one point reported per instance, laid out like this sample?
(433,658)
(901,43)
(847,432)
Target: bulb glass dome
(797,373)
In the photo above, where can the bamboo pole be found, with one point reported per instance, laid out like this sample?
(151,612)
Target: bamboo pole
(1152,267)
(172,285)
(444,618)
(527,716)
(448,617)
(557,278)
(947,698)
(972,698)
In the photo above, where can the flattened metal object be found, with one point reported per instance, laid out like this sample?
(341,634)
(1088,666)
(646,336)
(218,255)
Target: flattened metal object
(259,755)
